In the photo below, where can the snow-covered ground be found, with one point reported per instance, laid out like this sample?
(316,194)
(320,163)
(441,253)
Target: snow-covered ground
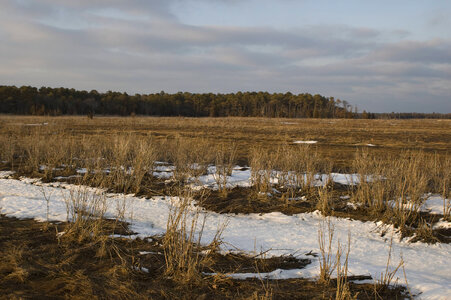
(427,267)
(305,142)
(241,176)
(434,204)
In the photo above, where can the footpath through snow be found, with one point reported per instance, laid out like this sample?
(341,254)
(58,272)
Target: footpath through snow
(427,267)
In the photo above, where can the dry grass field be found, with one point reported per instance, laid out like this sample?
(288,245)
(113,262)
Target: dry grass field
(117,154)
(396,162)
(337,139)
(37,265)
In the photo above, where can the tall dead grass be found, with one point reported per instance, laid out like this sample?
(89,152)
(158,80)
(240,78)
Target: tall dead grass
(224,163)
(262,167)
(331,261)
(184,254)
(343,291)
(126,162)
(390,187)
(190,158)
(387,277)
(293,168)
(398,187)
(327,261)
(85,215)
(441,178)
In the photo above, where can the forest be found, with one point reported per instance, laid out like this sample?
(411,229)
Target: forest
(28,100)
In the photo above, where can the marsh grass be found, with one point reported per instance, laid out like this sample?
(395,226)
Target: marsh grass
(36,265)
(441,178)
(85,215)
(327,262)
(262,166)
(387,277)
(343,291)
(331,261)
(324,200)
(119,154)
(395,189)
(13,265)
(184,254)
(288,179)
(190,158)
(224,163)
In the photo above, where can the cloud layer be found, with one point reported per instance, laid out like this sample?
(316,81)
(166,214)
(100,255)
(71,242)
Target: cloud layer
(142,46)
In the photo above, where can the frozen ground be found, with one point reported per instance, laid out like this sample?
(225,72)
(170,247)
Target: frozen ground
(434,204)
(305,142)
(241,176)
(427,267)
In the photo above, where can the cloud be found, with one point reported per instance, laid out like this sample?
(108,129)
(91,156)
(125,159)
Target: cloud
(140,46)
(432,51)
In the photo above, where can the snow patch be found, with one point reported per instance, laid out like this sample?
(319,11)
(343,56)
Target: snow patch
(426,266)
(435,204)
(305,142)
(37,124)
(6,174)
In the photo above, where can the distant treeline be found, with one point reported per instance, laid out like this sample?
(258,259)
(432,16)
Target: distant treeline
(411,115)
(27,100)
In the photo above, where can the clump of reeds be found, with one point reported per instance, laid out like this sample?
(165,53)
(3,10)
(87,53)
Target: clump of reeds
(373,189)
(190,157)
(327,263)
(307,167)
(224,163)
(8,150)
(441,178)
(394,188)
(262,163)
(85,214)
(324,200)
(410,186)
(183,252)
(13,265)
(128,161)
(387,277)
(330,263)
(143,163)
(288,179)
(343,291)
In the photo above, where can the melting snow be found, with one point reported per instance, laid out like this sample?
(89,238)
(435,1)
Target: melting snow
(305,142)
(427,266)
(36,124)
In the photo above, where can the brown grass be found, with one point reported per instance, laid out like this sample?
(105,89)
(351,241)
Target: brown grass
(387,278)
(119,154)
(37,265)
(337,139)
(327,263)
(224,163)
(184,254)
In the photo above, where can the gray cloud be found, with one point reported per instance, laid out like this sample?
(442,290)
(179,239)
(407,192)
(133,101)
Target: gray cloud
(140,46)
(433,51)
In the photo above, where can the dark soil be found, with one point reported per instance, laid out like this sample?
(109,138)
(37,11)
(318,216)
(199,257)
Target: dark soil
(244,200)
(36,264)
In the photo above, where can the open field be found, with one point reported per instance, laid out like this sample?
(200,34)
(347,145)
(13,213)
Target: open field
(337,138)
(244,208)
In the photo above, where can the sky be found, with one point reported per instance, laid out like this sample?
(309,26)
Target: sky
(381,56)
